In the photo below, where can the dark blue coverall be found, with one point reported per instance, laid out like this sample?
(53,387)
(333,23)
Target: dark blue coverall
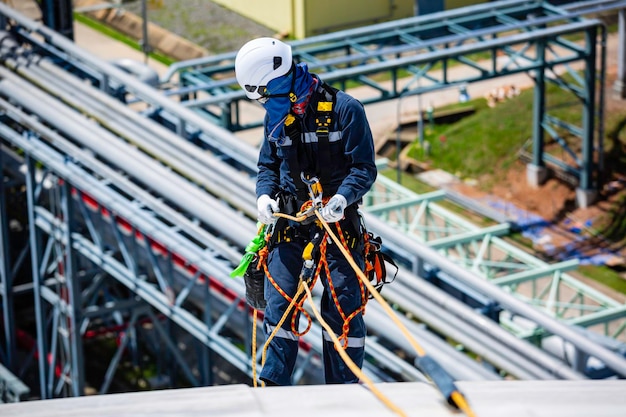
(352,173)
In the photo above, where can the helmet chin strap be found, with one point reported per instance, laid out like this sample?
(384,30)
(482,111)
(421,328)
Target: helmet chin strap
(291,93)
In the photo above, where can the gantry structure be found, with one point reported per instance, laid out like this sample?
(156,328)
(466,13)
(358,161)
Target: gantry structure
(432,52)
(136,208)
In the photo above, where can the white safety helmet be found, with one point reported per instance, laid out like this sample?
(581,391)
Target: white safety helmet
(260,61)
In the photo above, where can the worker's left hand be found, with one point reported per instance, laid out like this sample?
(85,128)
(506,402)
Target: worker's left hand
(333,210)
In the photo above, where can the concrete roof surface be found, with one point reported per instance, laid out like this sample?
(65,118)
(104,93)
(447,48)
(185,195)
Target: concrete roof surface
(602,398)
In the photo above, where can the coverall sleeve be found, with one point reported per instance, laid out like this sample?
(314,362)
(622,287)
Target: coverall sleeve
(268,177)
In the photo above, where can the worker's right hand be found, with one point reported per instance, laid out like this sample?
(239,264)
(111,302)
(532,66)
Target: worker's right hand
(266,207)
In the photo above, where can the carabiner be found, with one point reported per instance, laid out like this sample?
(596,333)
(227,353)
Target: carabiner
(315,189)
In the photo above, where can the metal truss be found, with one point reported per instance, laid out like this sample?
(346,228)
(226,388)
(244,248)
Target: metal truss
(548,287)
(7,348)
(109,256)
(412,56)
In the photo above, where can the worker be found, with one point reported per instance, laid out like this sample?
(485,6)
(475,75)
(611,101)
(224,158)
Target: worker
(311,131)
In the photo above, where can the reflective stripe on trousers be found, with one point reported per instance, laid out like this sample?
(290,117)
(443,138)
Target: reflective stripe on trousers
(353,342)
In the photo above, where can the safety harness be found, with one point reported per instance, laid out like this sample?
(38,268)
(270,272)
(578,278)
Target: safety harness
(313,263)
(443,381)
(324,99)
(375,259)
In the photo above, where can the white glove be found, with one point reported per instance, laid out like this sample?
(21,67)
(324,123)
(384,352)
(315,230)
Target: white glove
(266,207)
(333,210)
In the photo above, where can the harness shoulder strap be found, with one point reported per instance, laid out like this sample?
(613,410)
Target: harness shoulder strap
(325,111)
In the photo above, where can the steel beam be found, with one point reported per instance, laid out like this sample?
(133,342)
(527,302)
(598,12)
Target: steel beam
(7,348)
(35,252)
(74,298)
(12,390)
(57,15)
(587,191)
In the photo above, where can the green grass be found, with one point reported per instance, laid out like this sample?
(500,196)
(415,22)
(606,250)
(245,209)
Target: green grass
(473,144)
(605,276)
(485,144)
(408,181)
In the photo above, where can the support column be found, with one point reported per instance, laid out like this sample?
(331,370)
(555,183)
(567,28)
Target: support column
(206,354)
(35,253)
(6,278)
(586,192)
(57,15)
(536,172)
(72,280)
(619,87)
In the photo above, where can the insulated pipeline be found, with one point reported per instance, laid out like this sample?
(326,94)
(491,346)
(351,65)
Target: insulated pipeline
(122,183)
(203,168)
(231,225)
(488,341)
(237,150)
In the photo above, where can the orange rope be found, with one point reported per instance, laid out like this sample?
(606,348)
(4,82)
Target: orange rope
(420,351)
(323,263)
(298,304)
(339,345)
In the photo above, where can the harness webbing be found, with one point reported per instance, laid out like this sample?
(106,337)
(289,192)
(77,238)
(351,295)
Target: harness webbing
(322,263)
(324,122)
(324,100)
(429,367)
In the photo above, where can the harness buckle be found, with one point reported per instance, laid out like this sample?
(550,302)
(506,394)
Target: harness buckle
(322,131)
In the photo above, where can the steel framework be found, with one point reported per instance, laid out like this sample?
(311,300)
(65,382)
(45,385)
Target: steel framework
(483,251)
(95,229)
(427,53)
